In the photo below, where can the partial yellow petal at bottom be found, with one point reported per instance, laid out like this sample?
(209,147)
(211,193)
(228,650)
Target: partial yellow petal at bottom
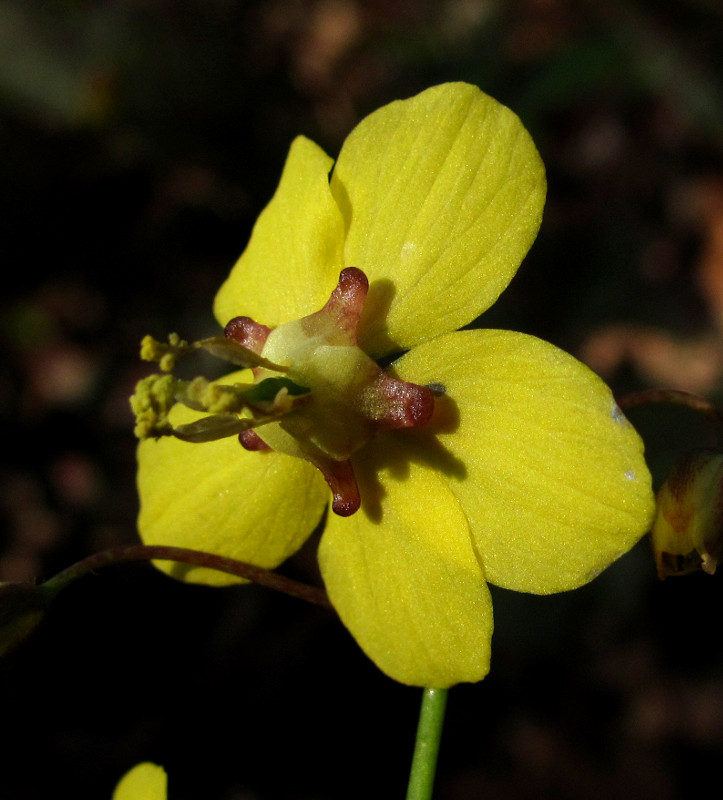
(144,782)
(403,576)
(554,485)
(257,507)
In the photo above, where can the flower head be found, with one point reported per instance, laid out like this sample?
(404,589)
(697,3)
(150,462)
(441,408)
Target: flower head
(478,455)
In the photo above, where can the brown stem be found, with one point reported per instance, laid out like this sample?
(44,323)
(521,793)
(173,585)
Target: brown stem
(139,552)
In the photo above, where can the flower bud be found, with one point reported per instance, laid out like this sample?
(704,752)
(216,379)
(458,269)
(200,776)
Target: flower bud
(688,527)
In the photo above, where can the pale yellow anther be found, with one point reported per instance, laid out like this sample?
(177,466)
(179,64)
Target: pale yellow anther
(153,399)
(167,362)
(214,398)
(165,354)
(149,348)
(233,408)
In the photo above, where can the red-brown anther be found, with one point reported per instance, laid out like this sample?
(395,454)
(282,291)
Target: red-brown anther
(248,333)
(351,399)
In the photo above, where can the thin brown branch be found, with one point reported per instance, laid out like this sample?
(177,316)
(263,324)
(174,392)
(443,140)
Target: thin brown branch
(118,555)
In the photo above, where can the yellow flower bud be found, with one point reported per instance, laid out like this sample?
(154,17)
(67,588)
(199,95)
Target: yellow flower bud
(686,534)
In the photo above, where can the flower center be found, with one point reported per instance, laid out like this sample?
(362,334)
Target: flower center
(351,398)
(316,394)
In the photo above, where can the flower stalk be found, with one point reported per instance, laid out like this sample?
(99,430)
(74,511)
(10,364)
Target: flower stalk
(426,747)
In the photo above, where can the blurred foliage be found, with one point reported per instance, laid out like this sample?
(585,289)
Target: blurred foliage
(140,139)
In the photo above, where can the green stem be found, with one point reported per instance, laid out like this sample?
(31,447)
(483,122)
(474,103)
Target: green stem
(426,748)
(139,552)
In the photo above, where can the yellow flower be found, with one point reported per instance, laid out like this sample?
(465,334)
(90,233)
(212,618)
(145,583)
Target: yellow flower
(144,782)
(479,455)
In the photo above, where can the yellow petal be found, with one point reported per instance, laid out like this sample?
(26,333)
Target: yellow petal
(403,576)
(257,507)
(294,256)
(442,196)
(144,782)
(554,483)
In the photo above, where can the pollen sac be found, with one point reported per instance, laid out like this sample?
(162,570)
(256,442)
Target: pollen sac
(688,528)
(351,399)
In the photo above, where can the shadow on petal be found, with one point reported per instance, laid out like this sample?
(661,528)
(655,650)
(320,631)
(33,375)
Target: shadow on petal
(374,338)
(392,454)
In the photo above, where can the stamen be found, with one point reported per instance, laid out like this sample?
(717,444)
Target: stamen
(153,398)
(210,429)
(265,402)
(227,349)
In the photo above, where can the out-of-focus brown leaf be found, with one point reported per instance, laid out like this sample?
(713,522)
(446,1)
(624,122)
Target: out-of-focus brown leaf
(694,365)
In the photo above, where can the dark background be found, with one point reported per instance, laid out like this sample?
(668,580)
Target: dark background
(139,141)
